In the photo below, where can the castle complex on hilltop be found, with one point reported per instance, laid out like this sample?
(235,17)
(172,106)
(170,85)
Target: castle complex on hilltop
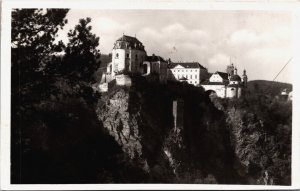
(129,56)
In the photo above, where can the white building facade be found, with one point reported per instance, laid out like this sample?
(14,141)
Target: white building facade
(128,55)
(191,72)
(226,85)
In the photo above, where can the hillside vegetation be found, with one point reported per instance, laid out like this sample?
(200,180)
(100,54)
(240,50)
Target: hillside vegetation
(64,131)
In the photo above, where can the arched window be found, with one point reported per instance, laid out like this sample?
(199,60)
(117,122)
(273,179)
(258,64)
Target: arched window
(117,55)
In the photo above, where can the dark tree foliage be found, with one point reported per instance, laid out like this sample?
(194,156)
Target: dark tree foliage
(55,134)
(81,59)
(261,126)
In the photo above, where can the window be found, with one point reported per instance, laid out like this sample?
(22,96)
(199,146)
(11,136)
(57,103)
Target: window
(191,76)
(136,57)
(117,55)
(127,55)
(195,82)
(195,76)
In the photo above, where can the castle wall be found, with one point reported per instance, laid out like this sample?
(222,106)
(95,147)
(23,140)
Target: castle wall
(118,60)
(136,58)
(219,89)
(231,92)
(123,80)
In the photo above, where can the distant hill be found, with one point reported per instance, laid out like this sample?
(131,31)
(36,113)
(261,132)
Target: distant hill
(270,87)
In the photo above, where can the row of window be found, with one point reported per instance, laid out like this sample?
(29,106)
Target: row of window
(191,82)
(185,70)
(186,76)
(127,56)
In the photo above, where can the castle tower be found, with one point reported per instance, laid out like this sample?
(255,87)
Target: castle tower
(230,69)
(244,77)
(128,55)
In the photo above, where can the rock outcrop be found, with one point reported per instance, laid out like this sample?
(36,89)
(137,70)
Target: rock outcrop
(140,119)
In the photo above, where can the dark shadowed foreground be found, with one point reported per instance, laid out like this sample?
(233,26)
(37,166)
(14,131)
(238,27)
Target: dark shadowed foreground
(129,137)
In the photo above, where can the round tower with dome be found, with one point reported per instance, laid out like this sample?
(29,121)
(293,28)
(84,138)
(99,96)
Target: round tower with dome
(234,88)
(128,55)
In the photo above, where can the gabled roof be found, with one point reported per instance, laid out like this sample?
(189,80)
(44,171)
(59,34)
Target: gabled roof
(223,75)
(186,65)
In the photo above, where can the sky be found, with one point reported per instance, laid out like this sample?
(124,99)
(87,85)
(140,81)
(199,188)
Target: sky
(258,41)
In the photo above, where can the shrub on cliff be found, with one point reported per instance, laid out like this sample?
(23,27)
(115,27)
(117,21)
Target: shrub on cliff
(260,126)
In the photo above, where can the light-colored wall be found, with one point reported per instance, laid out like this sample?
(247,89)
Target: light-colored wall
(234,92)
(123,80)
(127,56)
(231,92)
(216,78)
(118,63)
(192,74)
(219,89)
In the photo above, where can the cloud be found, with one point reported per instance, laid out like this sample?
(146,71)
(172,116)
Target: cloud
(244,37)
(106,25)
(218,62)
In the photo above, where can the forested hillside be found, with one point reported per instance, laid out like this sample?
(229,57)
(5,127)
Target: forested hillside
(64,131)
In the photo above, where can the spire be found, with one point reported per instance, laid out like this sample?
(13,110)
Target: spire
(235,71)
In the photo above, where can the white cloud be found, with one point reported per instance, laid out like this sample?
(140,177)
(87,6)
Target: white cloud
(218,62)
(106,25)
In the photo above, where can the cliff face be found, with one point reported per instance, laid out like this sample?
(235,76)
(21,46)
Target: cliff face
(141,120)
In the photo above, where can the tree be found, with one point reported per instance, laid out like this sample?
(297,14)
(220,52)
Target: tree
(32,44)
(81,52)
(33,35)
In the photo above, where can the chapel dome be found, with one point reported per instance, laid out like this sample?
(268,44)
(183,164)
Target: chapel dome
(235,78)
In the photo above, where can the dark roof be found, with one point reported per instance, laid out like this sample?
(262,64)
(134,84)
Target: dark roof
(154,58)
(235,78)
(223,75)
(183,78)
(129,42)
(186,65)
(234,85)
(213,83)
(128,39)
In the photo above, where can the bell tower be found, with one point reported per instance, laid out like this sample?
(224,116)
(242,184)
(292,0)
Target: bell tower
(244,77)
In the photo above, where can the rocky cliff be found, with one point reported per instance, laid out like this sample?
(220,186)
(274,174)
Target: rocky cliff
(141,120)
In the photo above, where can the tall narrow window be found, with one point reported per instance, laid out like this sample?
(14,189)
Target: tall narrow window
(127,55)
(117,55)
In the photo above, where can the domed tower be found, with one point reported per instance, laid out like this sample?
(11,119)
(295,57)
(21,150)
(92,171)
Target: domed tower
(235,78)
(234,90)
(244,77)
(230,69)
(128,55)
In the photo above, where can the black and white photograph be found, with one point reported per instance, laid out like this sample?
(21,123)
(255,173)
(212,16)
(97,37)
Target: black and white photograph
(175,96)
